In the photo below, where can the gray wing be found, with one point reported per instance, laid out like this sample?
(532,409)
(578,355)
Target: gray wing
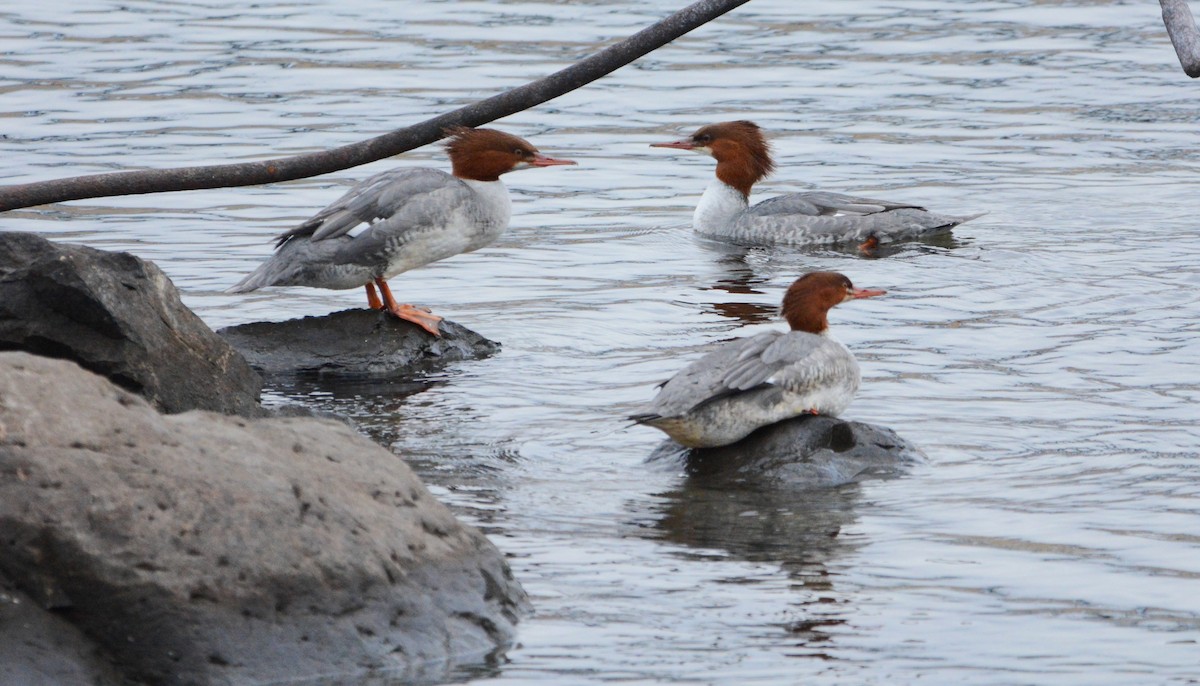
(820,203)
(398,195)
(795,361)
(805,362)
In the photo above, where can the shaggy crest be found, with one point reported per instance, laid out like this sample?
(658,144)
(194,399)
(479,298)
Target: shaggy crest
(742,153)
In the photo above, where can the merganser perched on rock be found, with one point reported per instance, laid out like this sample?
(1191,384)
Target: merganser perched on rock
(752,382)
(815,218)
(412,217)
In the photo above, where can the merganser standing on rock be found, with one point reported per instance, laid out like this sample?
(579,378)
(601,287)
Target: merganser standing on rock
(813,218)
(412,217)
(752,382)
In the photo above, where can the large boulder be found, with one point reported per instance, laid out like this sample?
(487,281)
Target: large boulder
(800,453)
(121,317)
(201,548)
(353,343)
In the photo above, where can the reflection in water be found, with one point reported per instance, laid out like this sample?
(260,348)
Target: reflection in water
(801,531)
(753,270)
(783,495)
(365,401)
(741,280)
(370,394)
(794,528)
(937,243)
(747,313)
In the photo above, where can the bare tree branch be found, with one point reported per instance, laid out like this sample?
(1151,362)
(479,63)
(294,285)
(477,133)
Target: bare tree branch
(1182,28)
(401,140)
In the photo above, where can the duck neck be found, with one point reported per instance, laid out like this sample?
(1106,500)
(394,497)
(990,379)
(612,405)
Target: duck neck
(803,314)
(809,321)
(718,207)
(494,199)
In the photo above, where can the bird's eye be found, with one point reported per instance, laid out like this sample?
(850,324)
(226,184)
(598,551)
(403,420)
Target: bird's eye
(704,139)
(520,152)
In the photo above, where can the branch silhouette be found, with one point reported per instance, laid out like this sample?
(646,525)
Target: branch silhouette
(395,142)
(1181,27)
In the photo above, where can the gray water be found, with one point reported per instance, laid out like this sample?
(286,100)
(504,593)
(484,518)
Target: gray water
(1046,359)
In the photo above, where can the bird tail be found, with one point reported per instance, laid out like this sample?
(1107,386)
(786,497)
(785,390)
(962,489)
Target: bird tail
(643,418)
(967,218)
(252,282)
(937,223)
(263,276)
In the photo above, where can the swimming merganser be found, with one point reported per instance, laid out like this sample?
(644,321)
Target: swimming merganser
(412,216)
(772,376)
(814,218)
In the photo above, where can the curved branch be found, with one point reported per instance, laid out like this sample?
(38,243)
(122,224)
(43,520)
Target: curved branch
(518,99)
(1181,27)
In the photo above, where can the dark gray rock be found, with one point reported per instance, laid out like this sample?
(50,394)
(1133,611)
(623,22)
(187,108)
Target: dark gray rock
(360,342)
(38,648)
(120,317)
(800,453)
(201,548)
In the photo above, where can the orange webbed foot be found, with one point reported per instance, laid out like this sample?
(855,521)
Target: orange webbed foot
(868,246)
(421,316)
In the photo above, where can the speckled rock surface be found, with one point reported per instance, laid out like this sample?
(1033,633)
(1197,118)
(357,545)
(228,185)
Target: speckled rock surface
(201,548)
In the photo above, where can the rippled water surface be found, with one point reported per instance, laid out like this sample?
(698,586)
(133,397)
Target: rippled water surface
(1047,358)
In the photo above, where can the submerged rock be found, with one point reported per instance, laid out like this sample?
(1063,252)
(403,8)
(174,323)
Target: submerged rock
(120,317)
(200,548)
(360,342)
(803,452)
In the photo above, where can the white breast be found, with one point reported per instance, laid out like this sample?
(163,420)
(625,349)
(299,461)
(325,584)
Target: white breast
(495,204)
(717,209)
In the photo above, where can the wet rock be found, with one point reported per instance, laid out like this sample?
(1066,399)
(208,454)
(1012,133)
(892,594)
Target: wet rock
(201,548)
(360,342)
(120,317)
(800,453)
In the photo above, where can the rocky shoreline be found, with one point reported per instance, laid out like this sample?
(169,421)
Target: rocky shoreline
(158,527)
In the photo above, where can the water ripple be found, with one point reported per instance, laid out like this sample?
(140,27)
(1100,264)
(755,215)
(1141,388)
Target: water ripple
(1046,358)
